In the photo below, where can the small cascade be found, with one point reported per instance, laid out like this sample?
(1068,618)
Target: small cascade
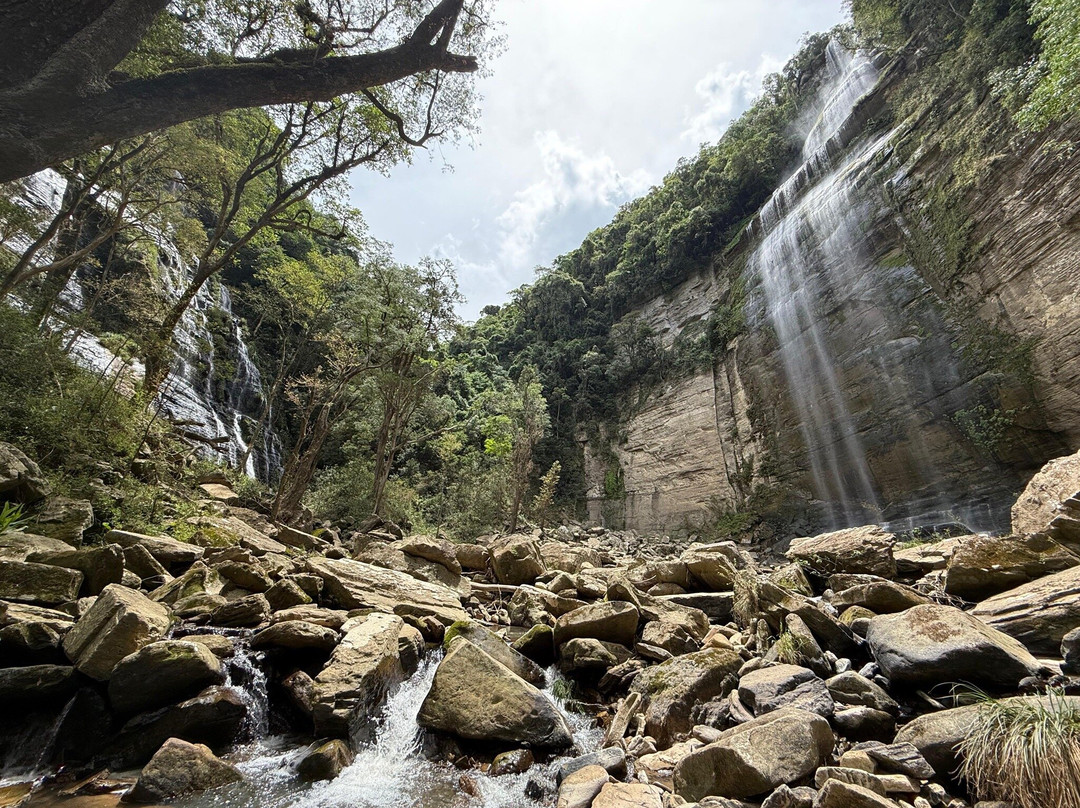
(823,294)
(26,754)
(245,676)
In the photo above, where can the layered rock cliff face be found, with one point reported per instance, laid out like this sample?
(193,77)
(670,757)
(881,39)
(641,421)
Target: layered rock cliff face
(905,359)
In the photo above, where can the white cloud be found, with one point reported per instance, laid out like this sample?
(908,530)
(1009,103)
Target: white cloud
(726,94)
(573,183)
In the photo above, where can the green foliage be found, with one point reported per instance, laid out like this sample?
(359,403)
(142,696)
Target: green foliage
(545,497)
(1056,92)
(983,426)
(614,484)
(12,519)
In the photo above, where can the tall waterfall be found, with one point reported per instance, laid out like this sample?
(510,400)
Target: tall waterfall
(824,295)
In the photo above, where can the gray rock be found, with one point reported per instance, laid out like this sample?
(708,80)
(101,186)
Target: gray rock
(475,697)
(170,553)
(36,686)
(713,566)
(612,759)
(853,690)
(983,566)
(837,794)
(38,583)
(880,597)
(716,605)
(1039,614)
(65,519)
(472,557)
(497,649)
(180,768)
(432,549)
(100,566)
(517,560)
(296,635)
(119,623)
(162,673)
(244,612)
(1070,652)
(580,787)
(537,644)
(607,621)
(245,576)
(864,723)
(778,686)
(326,762)
(673,639)
(931,644)
(285,594)
(786,797)
(586,655)
(516,761)
(21,479)
(866,549)
(902,758)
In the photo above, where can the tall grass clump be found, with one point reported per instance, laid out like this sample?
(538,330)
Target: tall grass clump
(1025,751)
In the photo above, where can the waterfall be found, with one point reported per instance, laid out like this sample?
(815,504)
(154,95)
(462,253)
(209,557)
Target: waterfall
(213,392)
(821,291)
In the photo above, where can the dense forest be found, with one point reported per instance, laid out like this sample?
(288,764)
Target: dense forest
(385,403)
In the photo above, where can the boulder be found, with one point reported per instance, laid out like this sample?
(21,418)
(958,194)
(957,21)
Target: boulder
(612,760)
(475,697)
(326,762)
(180,768)
(921,559)
(331,618)
(387,556)
(493,645)
(517,560)
(931,644)
(516,761)
(864,724)
(245,576)
(18,545)
(35,686)
(170,553)
(756,757)
(713,566)
(609,621)
(778,686)
(100,566)
(21,479)
(1070,652)
(867,549)
(285,594)
(776,604)
(902,758)
(64,519)
(694,621)
(138,560)
(120,622)
(296,538)
(880,597)
(674,687)
(473,557)
(853,690)
(241,613)
(570,558)
(355,585)
(163,673)
(715,605)
(673,639)
(982,566)
(1048,505)
(838,794)
(431,548)
(1039,613)
(629,795)
(531,606)
(538,644)
(363,667)
(936,735)
(586,655)
(295,635)
(38,583)
(579,789)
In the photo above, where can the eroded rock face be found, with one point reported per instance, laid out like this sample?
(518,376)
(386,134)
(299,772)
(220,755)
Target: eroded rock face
(1039,613)
(1049,504)
(475,697)
(180,768)
(756,757)
(119,623)
(933,644)
(358,676)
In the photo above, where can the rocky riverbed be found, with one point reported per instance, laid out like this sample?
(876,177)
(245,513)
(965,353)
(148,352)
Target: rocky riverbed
(257,664)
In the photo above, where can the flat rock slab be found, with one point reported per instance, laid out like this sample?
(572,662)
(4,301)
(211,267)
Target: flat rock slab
(38,583)
(163,673)
(777,686)
(867,549)
(608,621)
(1038,614)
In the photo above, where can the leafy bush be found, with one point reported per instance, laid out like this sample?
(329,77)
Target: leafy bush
(11,518)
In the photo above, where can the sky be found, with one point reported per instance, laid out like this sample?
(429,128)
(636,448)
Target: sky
(591,104)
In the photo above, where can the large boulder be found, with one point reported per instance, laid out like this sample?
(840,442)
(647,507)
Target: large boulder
(355,585)
(571,558)
(38,583)
(713,566)
(1039,613)
(100,566)
(180,768)
(363,667)
(777,686)
(120,622)
(493,645)
(517,560)
(242,612)
(475,697)
(387,556)
(65,519)
(867,549)
(675,687)
(431,548)
(18,545)
(36,686)
(880,597)
(609,621)
(982,566)
(295,635)
(756,757)
(931,644)
(579,788)
(21,479)
(326,762)
(1050,504)
(170,553)
(629,795)
(163,673)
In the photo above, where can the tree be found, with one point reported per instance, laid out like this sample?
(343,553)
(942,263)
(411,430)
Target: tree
(1057,93)
(81,74)
(529,421)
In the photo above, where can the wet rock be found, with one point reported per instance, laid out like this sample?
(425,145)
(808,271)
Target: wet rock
(38,583)
(607,621)
(516,761)
(756,757)
(355,585)
(163,673)
(579,789)
(326,762)
(1038,614)
(982,566)
(365,664)
(64,519)
(497,649)
(517,560)
(933,644)
(778,686)
(21,479)
(180,768)
(658,768)
(475,697)
(36,686)
(866,549)
(119,623)
(296,635)
(611,759)
(629,795)
(672,689)
(537,644)
(299,689)
(172,554)
(100,566)
(244,612)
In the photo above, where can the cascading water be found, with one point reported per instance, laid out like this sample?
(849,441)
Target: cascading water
(820,289)
(220,408)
